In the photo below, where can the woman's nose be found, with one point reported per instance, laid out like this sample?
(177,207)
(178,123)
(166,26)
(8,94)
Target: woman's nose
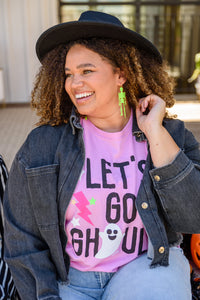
(77,81)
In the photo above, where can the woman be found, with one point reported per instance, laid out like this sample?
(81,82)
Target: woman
(107,183)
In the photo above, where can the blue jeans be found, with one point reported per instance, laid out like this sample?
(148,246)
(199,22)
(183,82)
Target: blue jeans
(134,281)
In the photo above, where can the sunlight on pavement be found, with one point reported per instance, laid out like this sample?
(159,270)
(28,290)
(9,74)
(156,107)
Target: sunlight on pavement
(186,111)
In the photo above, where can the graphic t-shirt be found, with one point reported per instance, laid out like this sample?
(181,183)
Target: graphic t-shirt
(102,223)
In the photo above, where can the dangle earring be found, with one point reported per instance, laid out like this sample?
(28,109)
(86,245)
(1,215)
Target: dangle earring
(122,102)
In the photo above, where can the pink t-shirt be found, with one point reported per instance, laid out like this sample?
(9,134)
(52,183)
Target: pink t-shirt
(102,224)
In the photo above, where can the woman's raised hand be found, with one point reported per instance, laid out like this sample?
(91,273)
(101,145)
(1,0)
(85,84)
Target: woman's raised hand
(150,113)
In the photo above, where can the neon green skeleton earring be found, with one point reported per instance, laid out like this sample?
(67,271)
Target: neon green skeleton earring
(122,102)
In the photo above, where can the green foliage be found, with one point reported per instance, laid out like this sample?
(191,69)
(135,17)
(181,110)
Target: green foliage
(196,72)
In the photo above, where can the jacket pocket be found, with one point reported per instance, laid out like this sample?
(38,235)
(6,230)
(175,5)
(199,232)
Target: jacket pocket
(42,183)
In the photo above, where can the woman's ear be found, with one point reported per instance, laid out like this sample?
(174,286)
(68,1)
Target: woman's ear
(121,78)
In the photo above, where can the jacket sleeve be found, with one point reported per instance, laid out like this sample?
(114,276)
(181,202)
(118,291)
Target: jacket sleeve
(26,253)
(178,187)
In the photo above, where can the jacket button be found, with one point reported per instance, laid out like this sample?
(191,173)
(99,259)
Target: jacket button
(161,250)
(144,205)
(157,178)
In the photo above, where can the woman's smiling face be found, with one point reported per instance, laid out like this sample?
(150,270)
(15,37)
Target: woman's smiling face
(92,83)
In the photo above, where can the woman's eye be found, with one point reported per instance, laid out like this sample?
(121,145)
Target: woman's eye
(68,75)
(87,71)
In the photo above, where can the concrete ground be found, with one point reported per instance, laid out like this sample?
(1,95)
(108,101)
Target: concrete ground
(189,112)
(17,121)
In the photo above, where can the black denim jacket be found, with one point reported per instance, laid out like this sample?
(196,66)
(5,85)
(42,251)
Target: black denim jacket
(42,180)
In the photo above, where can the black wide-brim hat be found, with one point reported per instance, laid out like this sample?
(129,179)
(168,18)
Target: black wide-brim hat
(92,24)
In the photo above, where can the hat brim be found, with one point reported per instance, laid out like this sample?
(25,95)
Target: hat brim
(65,32)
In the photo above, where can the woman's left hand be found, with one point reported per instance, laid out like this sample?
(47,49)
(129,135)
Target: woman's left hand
(150,113)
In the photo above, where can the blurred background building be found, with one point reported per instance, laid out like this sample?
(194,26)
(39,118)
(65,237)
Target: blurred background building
(172,25)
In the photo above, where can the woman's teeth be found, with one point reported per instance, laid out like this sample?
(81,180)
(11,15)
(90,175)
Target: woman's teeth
(83,95)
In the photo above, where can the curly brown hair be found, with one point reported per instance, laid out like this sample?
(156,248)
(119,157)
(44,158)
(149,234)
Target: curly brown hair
(144,74)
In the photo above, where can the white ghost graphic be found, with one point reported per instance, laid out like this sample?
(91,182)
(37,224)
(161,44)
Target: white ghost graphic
(111,239)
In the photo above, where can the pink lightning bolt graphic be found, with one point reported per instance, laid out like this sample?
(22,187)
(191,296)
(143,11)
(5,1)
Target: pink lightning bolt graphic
(82,203)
